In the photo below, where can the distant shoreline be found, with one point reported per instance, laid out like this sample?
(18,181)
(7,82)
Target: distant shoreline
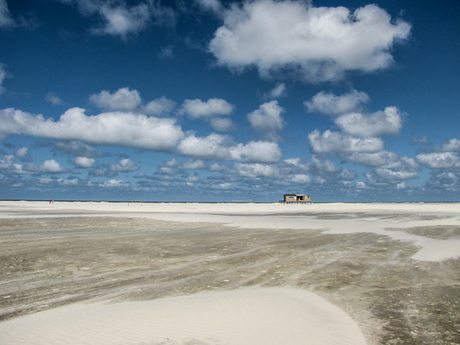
(230,202)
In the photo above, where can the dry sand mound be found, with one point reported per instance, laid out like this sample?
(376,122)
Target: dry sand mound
(244,317)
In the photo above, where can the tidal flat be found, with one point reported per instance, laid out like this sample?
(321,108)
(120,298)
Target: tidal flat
(362,259)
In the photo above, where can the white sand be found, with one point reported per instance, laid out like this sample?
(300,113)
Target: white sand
(243,317)
(279,216)
(246,316)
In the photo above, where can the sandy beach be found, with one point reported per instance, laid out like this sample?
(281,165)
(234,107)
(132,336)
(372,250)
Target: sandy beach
(213,274)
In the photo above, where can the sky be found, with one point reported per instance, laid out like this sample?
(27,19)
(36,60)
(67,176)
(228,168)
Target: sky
(220,101)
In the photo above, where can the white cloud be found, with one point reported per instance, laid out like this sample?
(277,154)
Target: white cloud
(196,109)
(256,152)
(114,184)
(267,118)
(77,148)
(319,43)
(224,186)
(166,171)
(68,182)
(217,167)
(173,163)
(48,166)
(211,5)
(335,142)
(278,91)
(194,165)
(22,153)
(330,104)
(6,20)
(54,99)
(374,159)
(319,167)
(121,20)
(112,128)
(220,147)
(211,147)
(361,185)
(122,99)
(293,161)
(255,170)
(125,165)
(84,162)
(301,178)
(387,122)
(451,145)
(159,106)
(347,175)
(401,185)
(384,175)
(394,170)
(222,124)
(439,160)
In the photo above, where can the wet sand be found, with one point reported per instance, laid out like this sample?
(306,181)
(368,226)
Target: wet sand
(391,269)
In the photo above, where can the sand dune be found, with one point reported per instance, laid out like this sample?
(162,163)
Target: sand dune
(244,317)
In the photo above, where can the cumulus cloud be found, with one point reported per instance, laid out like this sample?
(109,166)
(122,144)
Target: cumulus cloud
(338,143)
(22,154)
(374,159)
(123,99)
(222,124)
(255,170)
(444,181)
(451,145)
(8,166)
(194,165)
(77,148)
(330,104)
(387,122)
(220,147)
(224,186)
(214,146)
(125,165)
(47,167)
(84,162)
(319,167)
(318,43)
(394,171)
(439,160)
(301,179)
(112,128)
(196,109)
(267,119)
(114,184)
(160,106)
(119,19)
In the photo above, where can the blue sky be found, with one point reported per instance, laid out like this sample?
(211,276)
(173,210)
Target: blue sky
(210,100)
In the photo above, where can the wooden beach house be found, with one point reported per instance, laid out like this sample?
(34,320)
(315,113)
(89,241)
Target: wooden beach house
(296,198)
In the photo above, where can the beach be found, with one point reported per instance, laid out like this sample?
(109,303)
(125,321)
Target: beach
(229,273)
